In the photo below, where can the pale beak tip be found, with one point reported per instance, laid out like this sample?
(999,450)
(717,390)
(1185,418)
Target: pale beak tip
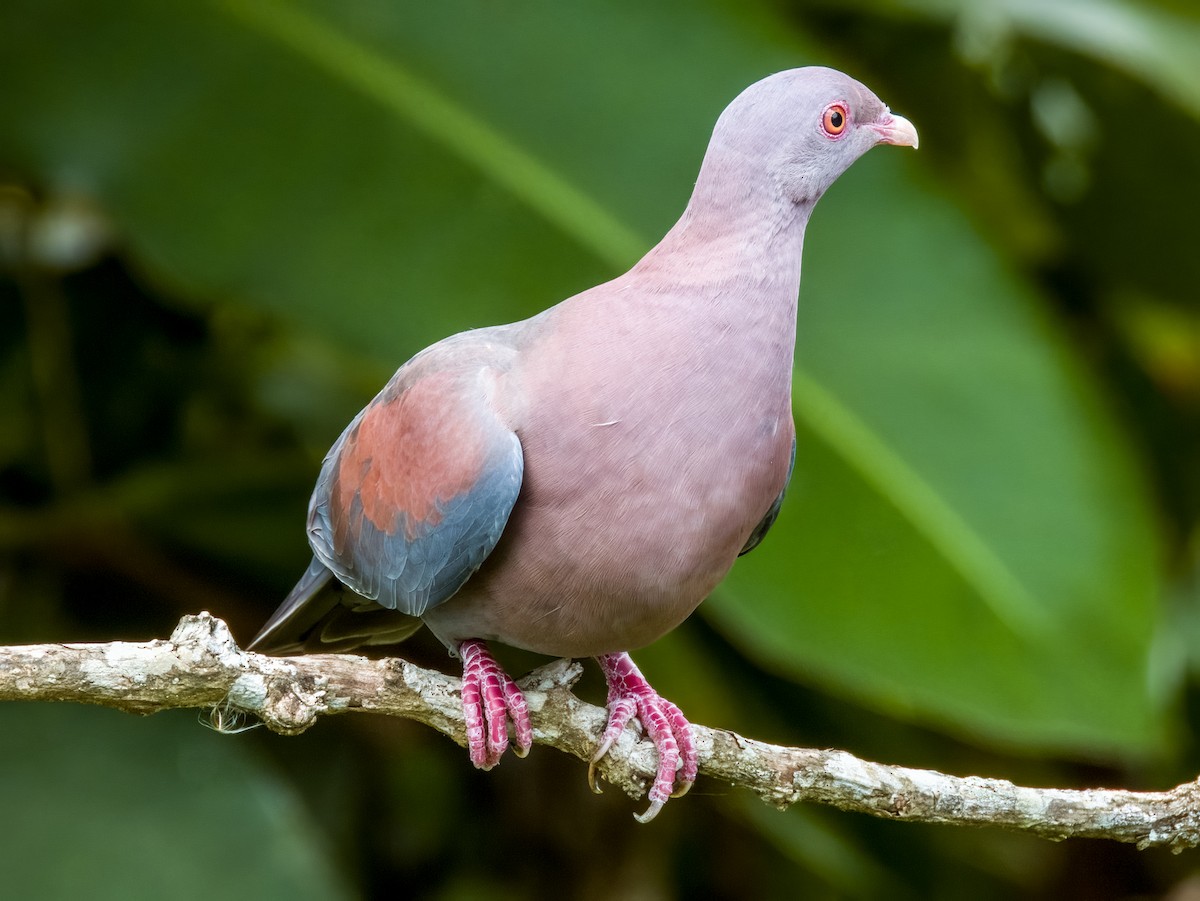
(895,129)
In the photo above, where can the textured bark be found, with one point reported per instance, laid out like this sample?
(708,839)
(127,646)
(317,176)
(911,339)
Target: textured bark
(201,666)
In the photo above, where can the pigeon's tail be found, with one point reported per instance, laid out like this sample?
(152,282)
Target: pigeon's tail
(303,608)
(320,614)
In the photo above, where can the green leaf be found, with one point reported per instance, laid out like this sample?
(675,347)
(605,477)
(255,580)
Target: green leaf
(1158,46)
(445,122)
(100,804)
(805,835)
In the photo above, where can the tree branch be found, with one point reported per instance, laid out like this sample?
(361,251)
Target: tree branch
(202,666)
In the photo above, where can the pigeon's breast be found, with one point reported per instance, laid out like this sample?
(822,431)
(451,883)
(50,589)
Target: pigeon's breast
(648,462)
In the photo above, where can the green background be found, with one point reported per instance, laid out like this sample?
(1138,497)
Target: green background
(222,226)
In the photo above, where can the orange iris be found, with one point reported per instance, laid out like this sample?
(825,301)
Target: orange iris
(835,120)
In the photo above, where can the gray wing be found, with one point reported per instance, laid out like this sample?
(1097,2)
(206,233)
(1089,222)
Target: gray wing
(411,500)
(764,524)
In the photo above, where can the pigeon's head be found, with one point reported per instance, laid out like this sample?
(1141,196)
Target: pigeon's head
(805,127)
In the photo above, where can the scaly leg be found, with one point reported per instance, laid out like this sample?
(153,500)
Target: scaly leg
(490,698)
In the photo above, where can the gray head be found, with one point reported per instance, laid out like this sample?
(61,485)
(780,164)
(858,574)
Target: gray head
(801,129)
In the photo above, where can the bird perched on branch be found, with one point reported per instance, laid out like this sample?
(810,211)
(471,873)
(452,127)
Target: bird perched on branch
(575,484)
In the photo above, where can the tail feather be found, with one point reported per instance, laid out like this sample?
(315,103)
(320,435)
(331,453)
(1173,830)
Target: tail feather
(320,614)
(301,610)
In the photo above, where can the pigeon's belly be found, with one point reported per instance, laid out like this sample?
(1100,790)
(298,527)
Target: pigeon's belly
(611,554)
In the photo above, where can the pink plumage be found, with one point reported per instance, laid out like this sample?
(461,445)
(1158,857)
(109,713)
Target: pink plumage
(575,484)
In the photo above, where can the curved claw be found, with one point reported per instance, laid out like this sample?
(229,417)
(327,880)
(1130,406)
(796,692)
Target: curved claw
(605,743)
(651,811)
(592,784)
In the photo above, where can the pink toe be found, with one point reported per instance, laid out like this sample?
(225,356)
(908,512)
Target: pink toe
(682,731)
(474,716)
(497,715)
(518,712)
(620,712)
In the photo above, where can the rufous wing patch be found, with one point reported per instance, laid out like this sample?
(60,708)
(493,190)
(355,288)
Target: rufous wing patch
(413,452)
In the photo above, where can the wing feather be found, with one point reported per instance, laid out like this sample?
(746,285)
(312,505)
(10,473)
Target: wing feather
(772,514)
(416,492)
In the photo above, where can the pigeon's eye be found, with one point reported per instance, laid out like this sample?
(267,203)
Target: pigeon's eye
(834,120)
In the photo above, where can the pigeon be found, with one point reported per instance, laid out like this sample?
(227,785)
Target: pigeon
(576,483)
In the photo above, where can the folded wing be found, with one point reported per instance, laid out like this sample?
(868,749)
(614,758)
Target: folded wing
(412,497)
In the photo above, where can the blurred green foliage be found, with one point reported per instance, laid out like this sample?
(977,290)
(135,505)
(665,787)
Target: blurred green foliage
(223,224)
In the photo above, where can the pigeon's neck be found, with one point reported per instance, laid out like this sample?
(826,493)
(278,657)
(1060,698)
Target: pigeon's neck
(738,233)
(723,284)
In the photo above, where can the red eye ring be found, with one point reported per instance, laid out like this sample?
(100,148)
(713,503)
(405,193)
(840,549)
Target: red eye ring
(835,119)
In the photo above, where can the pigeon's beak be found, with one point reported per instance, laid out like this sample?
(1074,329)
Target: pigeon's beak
(894,129)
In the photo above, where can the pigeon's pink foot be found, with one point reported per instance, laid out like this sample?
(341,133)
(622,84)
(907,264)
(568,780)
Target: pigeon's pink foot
(629,694)
(490,698)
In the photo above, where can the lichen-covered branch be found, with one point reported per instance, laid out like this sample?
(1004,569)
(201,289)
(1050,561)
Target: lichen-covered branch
(201,666)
